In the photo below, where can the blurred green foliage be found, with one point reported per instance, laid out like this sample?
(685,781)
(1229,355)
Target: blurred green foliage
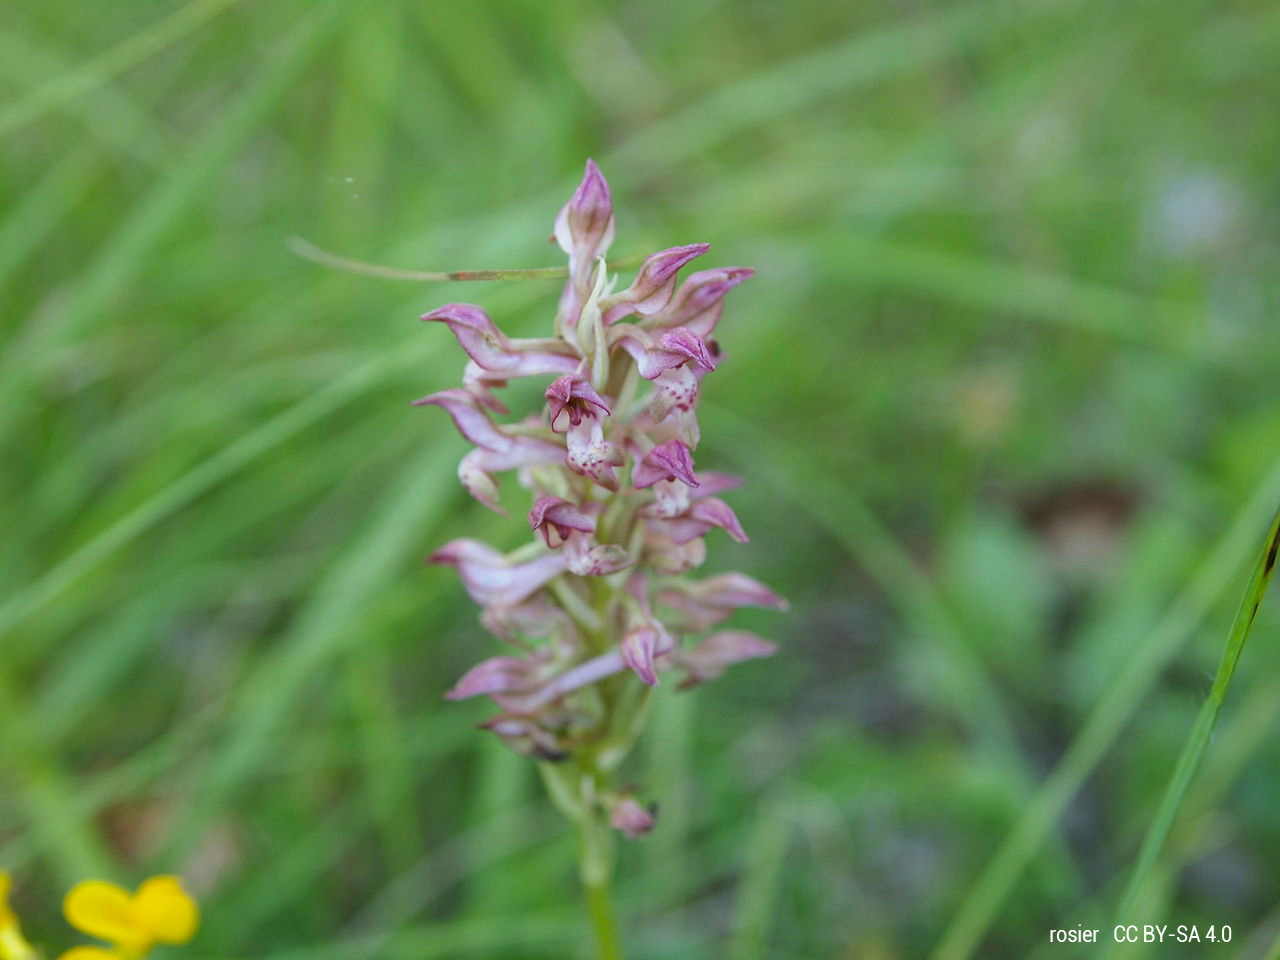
(1005,390)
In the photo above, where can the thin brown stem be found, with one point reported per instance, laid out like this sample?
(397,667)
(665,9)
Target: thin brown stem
(309,251)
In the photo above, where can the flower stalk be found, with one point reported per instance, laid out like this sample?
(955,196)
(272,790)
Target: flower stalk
(600,604)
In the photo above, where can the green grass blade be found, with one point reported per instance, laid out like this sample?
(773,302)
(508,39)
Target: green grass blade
(860,60)
(111,63)
(766,851)
(45,206)
(196,482)
(115,120)
(961,676)
(1198,742)
(43,789)
(1104,724)
(1022,291)
(325,626)
(147,223)
(971,692)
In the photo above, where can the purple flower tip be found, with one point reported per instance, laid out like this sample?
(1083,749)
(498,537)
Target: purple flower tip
(464,314)
(632,819)
(593,191)
(495,675)
(714,655)
(689,345)
(660,267)
(574,396)
(639,647)
(667,461)
(710,285)
(554,517)
(716,512)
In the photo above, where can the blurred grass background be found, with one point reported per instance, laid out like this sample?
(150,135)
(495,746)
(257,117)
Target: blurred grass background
(1005,389)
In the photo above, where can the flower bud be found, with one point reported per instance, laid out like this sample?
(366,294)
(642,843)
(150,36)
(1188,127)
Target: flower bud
(632,819)
(585,225)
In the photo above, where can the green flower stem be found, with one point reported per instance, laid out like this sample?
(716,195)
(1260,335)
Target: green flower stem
(595,848)
(603,924)
(581,785)
(573,787)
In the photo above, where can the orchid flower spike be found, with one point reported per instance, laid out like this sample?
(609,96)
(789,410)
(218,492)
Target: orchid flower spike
(598,606)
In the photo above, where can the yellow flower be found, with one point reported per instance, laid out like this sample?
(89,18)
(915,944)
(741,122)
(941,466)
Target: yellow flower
(13,946)
(159,912)
(7,919)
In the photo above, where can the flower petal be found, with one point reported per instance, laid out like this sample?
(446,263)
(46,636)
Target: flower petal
(106,911)
(671,558)
(472,422)
(667,461)
(687,345)
(575,678)
(675,389)
(478,335)
(669,350)
(639,647)
(495,675)
(556,519)
(707,602)
(710,658)
(716,513)
(572,398)
(494,351)
(476,468)
(589,454)
(654,283)
(525,736)
(480,383)
(585,225)
(166,911)
(490,578)
(699,301)
(586,559)
(533,618)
